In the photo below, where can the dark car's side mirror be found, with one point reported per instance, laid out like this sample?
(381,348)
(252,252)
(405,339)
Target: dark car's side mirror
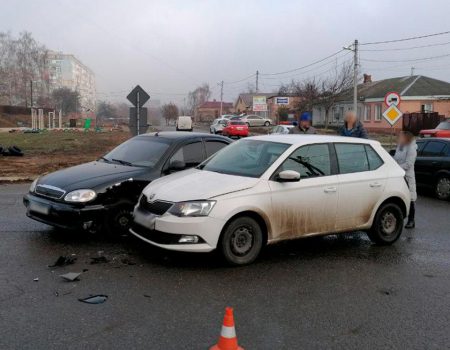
(177,165)
(392,152)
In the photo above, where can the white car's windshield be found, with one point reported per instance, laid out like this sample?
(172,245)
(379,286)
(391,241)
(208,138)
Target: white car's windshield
(245,158)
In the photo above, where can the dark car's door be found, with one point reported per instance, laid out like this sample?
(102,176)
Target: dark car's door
(419,166)
(430,161)
(191,153)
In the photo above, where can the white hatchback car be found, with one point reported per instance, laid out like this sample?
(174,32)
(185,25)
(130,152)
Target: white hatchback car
(270,188)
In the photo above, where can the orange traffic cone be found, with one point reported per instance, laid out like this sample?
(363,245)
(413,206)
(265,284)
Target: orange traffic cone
(227,339)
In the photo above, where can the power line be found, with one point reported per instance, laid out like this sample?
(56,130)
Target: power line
(308,65)
(405,39)
(411,60)
(240,80)
(408,48)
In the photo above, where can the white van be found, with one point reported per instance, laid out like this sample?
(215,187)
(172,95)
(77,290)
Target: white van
(184,123)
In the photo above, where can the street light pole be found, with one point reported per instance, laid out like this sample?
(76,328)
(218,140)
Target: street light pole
(355,77)
(221,98)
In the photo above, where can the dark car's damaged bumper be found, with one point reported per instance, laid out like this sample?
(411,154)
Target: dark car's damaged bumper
(63,215)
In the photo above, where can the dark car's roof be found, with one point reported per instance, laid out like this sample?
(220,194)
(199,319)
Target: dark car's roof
(181,135)
(445,139)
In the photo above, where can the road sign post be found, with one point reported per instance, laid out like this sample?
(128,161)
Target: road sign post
(138,97)
(392,114)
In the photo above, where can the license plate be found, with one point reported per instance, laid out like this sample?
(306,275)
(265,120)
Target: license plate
(426,135)
(39,208)
(240,128)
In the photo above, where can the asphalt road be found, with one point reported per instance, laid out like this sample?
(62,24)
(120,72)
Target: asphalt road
(319,293)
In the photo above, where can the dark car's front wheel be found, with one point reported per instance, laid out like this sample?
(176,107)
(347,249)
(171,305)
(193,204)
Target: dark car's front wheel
(241,241)
(118,219)
(442,188)
(387,225)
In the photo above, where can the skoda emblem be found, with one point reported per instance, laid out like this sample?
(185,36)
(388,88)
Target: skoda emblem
(151,196)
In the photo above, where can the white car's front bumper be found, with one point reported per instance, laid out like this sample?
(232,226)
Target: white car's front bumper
(158,230)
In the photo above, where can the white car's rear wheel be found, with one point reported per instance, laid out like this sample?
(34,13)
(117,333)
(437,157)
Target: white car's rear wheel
(387,225)
(241,241)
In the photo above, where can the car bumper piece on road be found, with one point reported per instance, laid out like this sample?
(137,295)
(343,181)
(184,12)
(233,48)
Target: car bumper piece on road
(62,215)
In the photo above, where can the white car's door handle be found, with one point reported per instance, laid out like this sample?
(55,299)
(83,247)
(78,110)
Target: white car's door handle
(330,190)
(375,184)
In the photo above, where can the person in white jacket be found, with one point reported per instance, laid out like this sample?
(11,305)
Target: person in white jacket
(405,156)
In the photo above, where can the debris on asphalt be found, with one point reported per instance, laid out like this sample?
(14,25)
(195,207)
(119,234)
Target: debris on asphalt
(94,299)
(127,261)
(71,276)
(147,296)
(64,261)
(36,279)
(99,260)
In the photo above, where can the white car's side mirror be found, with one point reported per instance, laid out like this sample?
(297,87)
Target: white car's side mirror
(288,176)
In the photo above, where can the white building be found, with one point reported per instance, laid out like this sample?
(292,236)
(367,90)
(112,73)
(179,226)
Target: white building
(65,70)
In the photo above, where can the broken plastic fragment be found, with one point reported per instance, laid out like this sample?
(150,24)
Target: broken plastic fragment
(99,260)
(94,299)
(36,279)
(71,276)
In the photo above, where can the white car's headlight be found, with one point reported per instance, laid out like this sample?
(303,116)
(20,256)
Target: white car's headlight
(33,185)
(194,208)
(80,196)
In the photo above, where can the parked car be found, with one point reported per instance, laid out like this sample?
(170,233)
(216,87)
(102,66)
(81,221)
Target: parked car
(271,188)
(442,130)
(184,123)
(432,166)
(281,129)
(101,194)
(217,125)
(235,128)
(256,120)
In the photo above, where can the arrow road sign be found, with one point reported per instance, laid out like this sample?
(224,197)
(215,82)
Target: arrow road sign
(138,92)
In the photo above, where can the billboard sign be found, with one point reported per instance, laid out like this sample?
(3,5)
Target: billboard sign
(259,104)
(282,100)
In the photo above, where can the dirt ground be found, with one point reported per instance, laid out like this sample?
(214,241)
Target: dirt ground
(49,151)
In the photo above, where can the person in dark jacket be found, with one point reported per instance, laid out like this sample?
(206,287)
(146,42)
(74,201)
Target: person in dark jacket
(304,127)
(352,126)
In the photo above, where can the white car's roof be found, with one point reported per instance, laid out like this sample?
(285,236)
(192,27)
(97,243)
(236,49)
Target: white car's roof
(296,139)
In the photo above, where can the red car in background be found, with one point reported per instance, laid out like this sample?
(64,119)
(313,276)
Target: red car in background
(235,128)
(442,130)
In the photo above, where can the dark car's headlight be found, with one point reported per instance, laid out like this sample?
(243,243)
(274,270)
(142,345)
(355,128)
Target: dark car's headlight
(192,208)
(33,185)
(80,196)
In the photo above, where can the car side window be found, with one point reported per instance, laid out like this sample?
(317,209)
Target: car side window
(433,149)
(191,154)
(309,161)
(374,159)
(420,145)
(213,146)
(351,158)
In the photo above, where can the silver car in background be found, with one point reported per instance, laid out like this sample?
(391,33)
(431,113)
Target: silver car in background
(217,125)
(281,129)
(256,120)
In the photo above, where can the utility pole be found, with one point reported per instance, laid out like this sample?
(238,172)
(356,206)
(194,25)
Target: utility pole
(221,98)
(31,93)
(355,78)
(257,80)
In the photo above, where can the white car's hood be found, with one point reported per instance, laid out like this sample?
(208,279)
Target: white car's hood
(196,184)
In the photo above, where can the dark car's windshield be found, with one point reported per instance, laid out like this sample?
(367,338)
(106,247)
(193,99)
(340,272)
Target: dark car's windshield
(245,158)
(143,151)
(444,126)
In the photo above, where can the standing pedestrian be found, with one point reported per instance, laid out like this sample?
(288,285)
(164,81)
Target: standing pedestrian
(304,127)
(352,126)
(405,156)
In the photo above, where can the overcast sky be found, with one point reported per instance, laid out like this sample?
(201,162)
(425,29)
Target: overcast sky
(170,47)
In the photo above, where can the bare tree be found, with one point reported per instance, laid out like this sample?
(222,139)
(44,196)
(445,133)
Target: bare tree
(308,91)
(332,87)
(197,97)
(23,63)
(66,100)
(169,112)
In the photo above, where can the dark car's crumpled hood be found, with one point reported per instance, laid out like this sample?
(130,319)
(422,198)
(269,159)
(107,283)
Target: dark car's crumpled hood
(90,175)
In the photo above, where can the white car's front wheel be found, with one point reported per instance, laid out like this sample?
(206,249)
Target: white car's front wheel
(241,241)
(387,225)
